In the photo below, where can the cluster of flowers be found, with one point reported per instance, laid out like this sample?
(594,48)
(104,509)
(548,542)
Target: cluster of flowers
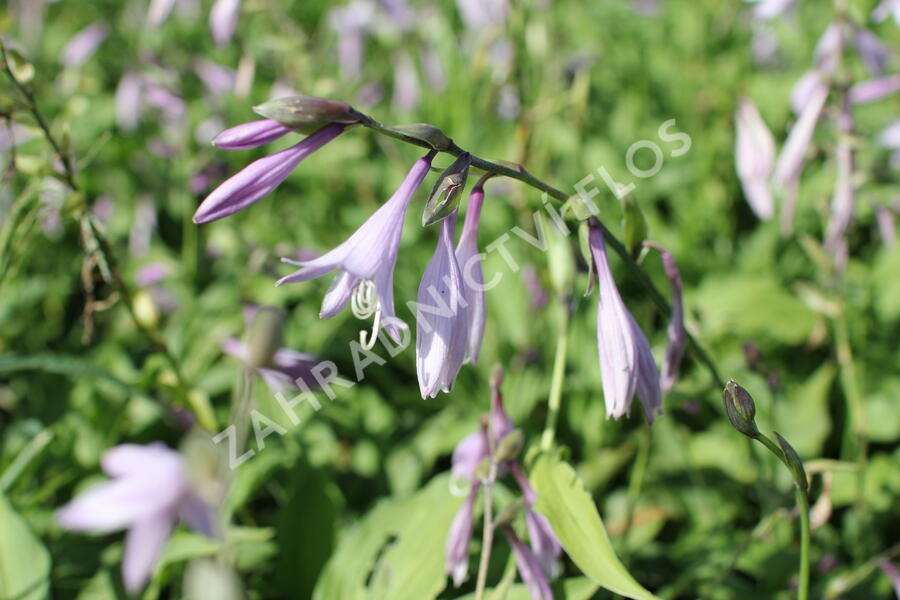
(755,157)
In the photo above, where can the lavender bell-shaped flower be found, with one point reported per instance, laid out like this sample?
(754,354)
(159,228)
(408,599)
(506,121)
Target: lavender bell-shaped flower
(873,90)
(626,363)
(460,536)
(790,161)
(149,493)
(544,543)
(262,176)
(754,154)
(442,335)
(83,44)
(366,261)
(469,260)
(885,9)
(223,19)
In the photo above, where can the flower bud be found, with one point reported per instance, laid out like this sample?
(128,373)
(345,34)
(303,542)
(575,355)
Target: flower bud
(740,409)
(307,114)
(264,336)
(427,133)
(793,463)
(445,195)
(510,446)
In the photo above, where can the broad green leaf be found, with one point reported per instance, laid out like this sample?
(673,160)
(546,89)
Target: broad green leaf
(24,562)
(803,416)
(396,551)
(576,522)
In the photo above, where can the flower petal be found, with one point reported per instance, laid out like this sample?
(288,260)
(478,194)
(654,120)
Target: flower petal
(143,544)
(250,135)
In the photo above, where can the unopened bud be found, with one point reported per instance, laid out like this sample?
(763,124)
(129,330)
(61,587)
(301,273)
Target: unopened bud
(740,409)
(445,195)
(508,513)
(427,133)
(307,113)
(510,446)
(794,463)
(264,337)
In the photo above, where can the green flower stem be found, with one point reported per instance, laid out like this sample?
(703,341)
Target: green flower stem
(518,172)
(558,376)
(803,506)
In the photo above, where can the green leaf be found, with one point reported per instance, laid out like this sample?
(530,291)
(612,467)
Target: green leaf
(24,562)
(396,551)
(574,518)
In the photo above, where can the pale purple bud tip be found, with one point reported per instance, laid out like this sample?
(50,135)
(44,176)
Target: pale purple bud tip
(223,19)
(873,90)
(529,567)
(459,538)
(872,52)
(790,162)
(754,158)
(261,177)
(83,45)
(469,260)
(250,135)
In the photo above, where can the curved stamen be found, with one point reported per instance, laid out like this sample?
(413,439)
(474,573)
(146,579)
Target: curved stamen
(364,300)
(368,345)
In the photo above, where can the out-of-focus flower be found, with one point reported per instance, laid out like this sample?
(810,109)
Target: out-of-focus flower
(223,19)
(469,260)
(806,88)
(351,22)
(149,492)
(870,49)
(260,177)
(164,100)
(151,274)
(771,9)
(456,555)
(529,567)
(754,153)
(51,198)
(627,366)
(159,11)
(366,260)
(508,104)
(83,45)
(893,574)
(281,368)
(442,336)
(434,70)
(828,48)
(142,226)
(128,101)
(842,201)
(676,332)
(537,293)
(885,9)
(405,97)
(890,136)
(217,79)
(873,90)
(481,14)
(790,162)
(887,227)
(543,541)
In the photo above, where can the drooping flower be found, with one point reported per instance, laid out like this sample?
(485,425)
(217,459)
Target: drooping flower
(529,567)
(405,97)
(149,492)
(223,19)
(469,260)
(885,9)
(281,368)
(754,154)
(805,89)
(870,49)
(217,78)
(159,11)
(677,335)
(262,176)
(771,9)
(544,543)
(128,101)
(83,44)
(481,14)
(790,161)
(627,366)
(442,335)
(351,23)
(456,555)
(873,90)
(366,260)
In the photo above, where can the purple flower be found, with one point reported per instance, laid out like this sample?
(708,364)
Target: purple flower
(469,260)
(158,12)
(805,89)
(148,494)
(442,337)
(890,136)
(885,9)
(366,260)
(887,228)
(351,22)
(405,97)
(260,177)
(217,79)
(223,18)
(151,274)
(893,574)
(128,101)
(771,9)
(754,154)
(250,135)
(873,90)
(481,14)
(537,293)
(281,368)
(529,567)
(544,543)
(676,333)
(870,49)
(790,162)
(828,48)
(83,45)
(458,539)
(626,363)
